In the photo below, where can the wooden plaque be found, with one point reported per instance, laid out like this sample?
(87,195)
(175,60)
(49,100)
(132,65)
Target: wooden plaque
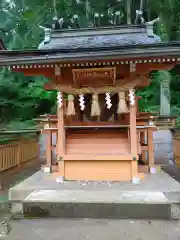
(94,77)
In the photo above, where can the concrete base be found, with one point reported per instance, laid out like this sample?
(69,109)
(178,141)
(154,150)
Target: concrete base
(93,229)
(99,204)
(153,198)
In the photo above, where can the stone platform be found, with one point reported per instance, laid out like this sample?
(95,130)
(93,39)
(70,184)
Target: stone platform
(156,197)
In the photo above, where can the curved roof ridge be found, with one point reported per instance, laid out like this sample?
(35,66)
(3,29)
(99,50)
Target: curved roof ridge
(98,39)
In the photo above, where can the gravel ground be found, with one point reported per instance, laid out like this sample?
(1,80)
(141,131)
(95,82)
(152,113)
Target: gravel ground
(57,229)
(173,171)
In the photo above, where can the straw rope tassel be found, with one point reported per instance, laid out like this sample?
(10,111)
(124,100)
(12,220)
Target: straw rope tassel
(122,105)
(59,99)
(70,107)
(108,100)
(95,108)
(81,102)
(132,97)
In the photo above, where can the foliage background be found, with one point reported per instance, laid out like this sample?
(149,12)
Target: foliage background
(23,98)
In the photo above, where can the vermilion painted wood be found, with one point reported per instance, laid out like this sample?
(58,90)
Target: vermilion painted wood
(48,148)
(105,150)
(87,157)
(98,142)
(98,170)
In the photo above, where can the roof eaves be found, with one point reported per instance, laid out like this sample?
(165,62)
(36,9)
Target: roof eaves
(37,57)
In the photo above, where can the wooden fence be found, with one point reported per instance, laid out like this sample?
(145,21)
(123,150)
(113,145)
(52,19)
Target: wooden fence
(18,150)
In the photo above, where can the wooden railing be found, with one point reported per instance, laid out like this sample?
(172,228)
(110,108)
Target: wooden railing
(165,122)
(19,150)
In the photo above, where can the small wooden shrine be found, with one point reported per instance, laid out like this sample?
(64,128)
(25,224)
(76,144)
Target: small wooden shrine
(101,135)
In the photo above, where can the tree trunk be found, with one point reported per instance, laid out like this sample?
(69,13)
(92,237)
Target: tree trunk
(55,8)
(165,93)
(88,11)
(128,10)
(141,5)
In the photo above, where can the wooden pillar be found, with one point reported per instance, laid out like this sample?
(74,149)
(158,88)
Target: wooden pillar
(133,135)
(48,148)
(60,137)
(142,141)
(139,151)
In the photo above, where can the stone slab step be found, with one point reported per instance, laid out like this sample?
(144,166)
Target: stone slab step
(97,204)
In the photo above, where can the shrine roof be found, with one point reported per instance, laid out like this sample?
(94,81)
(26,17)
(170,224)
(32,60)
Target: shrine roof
(96,38)
(102,43)
(133,52)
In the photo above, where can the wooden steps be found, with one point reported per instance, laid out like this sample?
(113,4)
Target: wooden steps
(85,157)
(101,142)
